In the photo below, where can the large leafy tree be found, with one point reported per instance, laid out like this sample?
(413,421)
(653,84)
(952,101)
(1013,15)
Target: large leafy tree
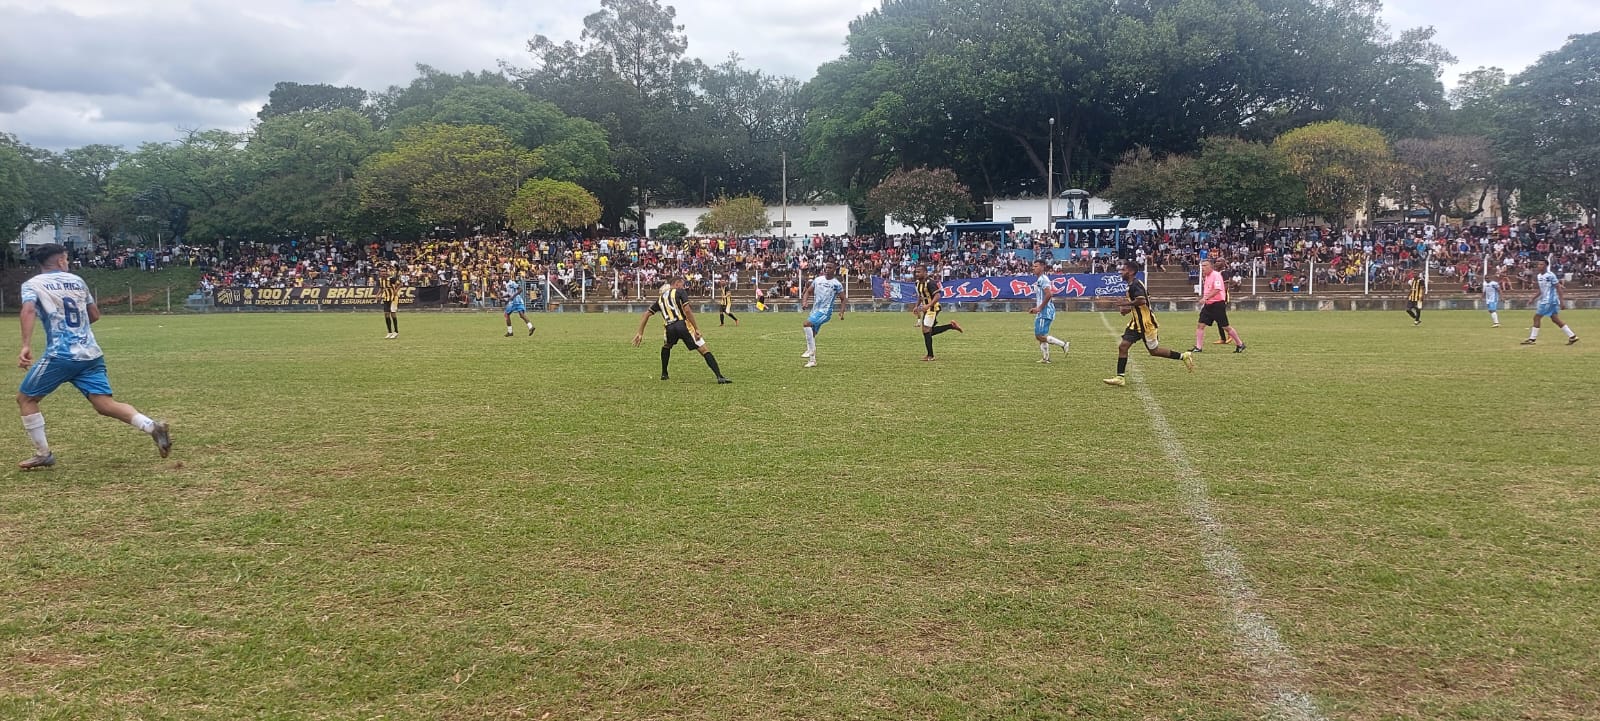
(36,185)
(90,168)
(1341,165)
(543,205)
(922,198)
(464,175)
(972,84)
(189,188)
(680,131)
(571,149)
(1548,136)
(1445,172)
(1243,181)
(739,215)
(305,166)
(1145,186)
(287,98)
(1474,101)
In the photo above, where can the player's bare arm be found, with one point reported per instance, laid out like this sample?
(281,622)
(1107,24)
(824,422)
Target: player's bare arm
(25,358)
(638,337)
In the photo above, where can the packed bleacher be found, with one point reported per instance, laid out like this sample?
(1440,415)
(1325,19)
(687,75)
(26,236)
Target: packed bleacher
(471,270)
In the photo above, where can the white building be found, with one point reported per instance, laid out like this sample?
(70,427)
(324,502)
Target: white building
(73,232)
(1030,213)
(803,220)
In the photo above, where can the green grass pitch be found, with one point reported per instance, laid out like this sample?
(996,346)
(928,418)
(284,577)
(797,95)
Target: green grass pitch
(459,525)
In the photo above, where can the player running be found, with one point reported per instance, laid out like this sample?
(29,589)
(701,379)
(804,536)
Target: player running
(1142,327)
(725,309)
(927,310)
(1213,308)
(515,304)
(1044,310)
(680,326)
(1491,298)
(824,289)
(1548,302)
(62,302)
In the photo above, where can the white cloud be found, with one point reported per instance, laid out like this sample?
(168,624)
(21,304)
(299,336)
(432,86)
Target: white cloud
(127,71)
(1493,33)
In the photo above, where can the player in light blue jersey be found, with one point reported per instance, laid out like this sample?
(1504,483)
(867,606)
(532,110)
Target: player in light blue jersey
(61,301)
(1491,297)
(1044,310)
(1548,303)
(515,304)
(824,290)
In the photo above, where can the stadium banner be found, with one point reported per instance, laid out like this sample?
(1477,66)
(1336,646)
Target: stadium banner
(1007,287)
(309,296)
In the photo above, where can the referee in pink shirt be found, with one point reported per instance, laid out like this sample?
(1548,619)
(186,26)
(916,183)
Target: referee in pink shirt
(1213,308)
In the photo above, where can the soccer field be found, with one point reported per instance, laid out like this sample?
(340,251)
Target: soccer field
(460,525)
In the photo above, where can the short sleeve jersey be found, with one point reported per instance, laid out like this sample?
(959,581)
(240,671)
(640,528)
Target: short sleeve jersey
(928,295)
(1491,291)
(1547,288)
(1041,288)
(670,306)
(62,300)
(1143,320)
(824,291)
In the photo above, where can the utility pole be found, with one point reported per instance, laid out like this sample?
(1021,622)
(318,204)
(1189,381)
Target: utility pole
(1050,184)
(783,218)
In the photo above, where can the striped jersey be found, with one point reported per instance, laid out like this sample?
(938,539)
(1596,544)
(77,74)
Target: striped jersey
(670,306)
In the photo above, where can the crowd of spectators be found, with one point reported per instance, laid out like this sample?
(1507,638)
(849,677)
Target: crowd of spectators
(473,270)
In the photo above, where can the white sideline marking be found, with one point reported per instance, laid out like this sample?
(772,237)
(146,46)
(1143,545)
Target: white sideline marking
(1273,662)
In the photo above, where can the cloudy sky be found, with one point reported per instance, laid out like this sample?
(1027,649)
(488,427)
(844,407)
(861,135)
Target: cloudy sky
(74,72)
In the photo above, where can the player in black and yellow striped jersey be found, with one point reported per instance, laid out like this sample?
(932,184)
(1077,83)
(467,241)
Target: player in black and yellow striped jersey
(1414,294)
(389,295)
(725,308)
(680,326)
(1141,327)
(927,310)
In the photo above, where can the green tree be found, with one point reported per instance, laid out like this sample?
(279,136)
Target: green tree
(305,165)
(189,188)
(1548,137)
(1342,165)
(680,132)
(973,84)
(543,205)
(672,230)
(288,98)
(922,198)
(1242,181)
(1475,99)
(461,175)
(569,148)
(1444,171)
(36,186)
(741,215)
(1144,186)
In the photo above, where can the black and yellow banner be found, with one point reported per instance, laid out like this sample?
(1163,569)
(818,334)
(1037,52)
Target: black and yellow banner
(307,296)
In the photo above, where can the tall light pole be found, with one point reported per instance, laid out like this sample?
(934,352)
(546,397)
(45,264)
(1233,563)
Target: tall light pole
(1050,184)
(783,216)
